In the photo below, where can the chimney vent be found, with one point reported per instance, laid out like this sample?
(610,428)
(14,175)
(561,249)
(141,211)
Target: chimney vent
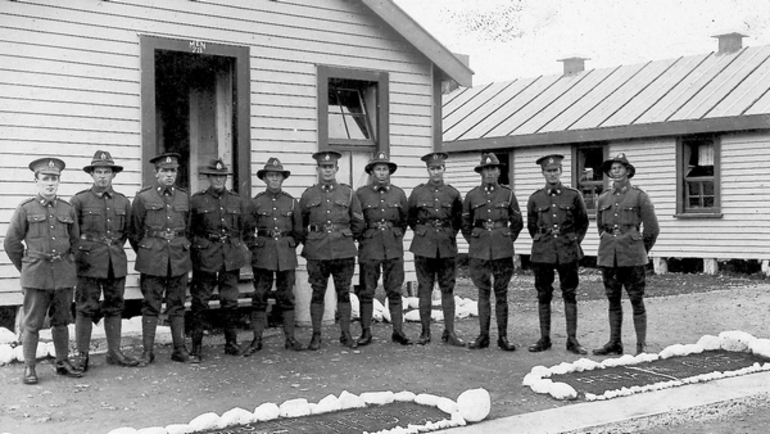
(574,65)
(729,42)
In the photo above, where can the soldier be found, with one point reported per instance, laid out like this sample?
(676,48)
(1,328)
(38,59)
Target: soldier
(628,228)
(435,216)
(332,214)
(158,235)
(382,246)
(217,226)
(275,230)
(557,221)
(103,216)
(491,223)
(40,240)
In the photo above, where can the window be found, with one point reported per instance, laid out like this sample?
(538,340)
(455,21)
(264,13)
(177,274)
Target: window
(587,173)
(353,118)
(698,176)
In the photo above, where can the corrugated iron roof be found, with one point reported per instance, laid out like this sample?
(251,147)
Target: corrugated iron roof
(690,94)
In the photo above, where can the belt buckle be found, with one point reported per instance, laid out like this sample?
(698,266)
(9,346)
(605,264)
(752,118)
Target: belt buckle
(275,234)
(436,223)
(489,225)
(329,227)
(555,232)
(56,257)
(616,231)
(382,225)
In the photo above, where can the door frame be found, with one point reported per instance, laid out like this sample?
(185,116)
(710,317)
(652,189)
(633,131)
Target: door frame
(242,113)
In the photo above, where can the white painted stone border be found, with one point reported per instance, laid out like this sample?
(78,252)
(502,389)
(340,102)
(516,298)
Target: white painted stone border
(538,378)
(301,407)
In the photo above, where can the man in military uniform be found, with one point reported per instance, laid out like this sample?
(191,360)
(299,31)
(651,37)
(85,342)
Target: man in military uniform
(557,221)
(435,216)
(275,230)
(103,216)
(47,226)
(217,226)
(332,215)
(491,223)
(381,247)
(628,228)
(159,215)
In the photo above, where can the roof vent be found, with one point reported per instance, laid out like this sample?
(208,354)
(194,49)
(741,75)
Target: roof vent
(574,65)
(729,42)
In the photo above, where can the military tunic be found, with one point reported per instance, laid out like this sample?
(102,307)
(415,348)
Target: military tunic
(435,216)
(557,221)
(491,222)
(382,243)
(333,219)
(50,231)
(101,257)
(275,230)
(158,234)
(627,225)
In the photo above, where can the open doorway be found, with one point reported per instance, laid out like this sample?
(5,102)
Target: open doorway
(195,102)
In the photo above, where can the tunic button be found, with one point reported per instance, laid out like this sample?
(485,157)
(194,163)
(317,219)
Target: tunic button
(553,204)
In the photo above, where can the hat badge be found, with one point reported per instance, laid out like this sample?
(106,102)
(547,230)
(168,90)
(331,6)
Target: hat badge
(488,160)
(435,156)
(168,159)
(51,163)
(326,157)
(104,156)
(219,165)
(621,155)
(550,160)
(381,156)
(275,163)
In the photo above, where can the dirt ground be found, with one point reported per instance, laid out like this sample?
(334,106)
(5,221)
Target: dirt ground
(681,308)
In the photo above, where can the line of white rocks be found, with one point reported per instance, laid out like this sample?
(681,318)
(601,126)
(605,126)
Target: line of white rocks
(539,380)
(473,405)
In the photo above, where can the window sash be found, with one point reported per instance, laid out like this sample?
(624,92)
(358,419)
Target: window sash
(698,191)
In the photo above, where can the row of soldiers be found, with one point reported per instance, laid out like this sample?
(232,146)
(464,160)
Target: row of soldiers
(65,250)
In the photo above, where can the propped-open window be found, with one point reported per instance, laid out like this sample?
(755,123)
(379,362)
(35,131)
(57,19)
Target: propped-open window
(698,189)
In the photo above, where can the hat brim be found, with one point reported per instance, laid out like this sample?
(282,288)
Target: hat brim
(478,169)
(392,166)
(215,173)
(262,172)
(115,168)
(607,165)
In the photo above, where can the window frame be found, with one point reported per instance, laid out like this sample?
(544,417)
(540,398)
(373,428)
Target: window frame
(682,210)
(382,105)
(577,167)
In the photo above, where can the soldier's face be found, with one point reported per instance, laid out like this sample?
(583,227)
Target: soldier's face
(102,176)
(552,175)
(381,173)
(618,171)
(327,172)
(47,185)
(436,172)
(490,174)
(217,182)
(166,176)
(274,181)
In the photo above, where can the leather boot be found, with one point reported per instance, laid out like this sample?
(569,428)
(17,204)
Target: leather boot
(345,338)
(258,321)
(288,330)
(424,338)
(482,341)
(615,345)
(180,353)
(112,329)
(366,324)
(573,346)
(30,375)
(544,343)
(640,326)
(231,334)
(61,340)
(316,317)
(196,350)
(149,325)
(83,328)
(502,329)
(397,317)
(448,307)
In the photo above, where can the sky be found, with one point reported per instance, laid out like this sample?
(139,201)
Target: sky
(508,39)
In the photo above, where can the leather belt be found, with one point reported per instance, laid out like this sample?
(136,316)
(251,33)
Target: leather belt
(272,233)
(167,235)
(549,231)
(436,223)
(484,224)
(222,237)
(99,239)
(51,257)
(330,227)
(618,230)
(381,225)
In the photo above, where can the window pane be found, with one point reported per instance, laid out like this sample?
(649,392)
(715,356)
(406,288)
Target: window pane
(348,116)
